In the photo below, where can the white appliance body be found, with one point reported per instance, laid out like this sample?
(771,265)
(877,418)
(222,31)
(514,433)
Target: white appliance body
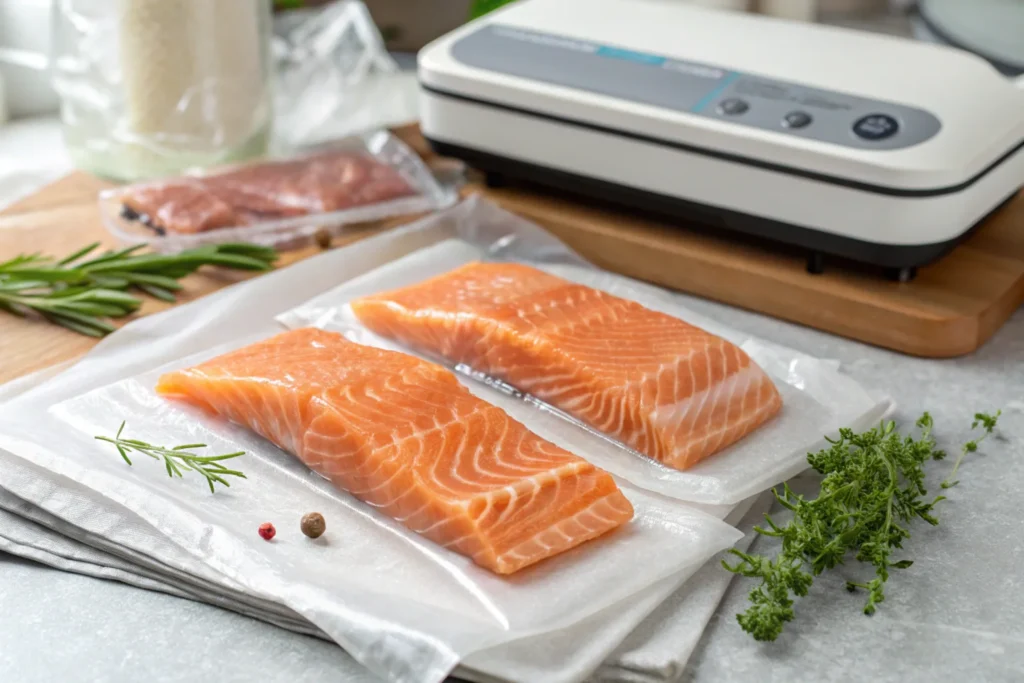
(876,148)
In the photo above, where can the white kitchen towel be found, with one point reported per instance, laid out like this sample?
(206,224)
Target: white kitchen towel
(29,532)
(22,537)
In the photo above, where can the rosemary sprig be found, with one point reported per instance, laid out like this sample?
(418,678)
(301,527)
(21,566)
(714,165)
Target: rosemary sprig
(83,294)
(178,458)
(873,487)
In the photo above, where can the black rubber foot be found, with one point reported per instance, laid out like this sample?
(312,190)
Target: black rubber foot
(816,263)
(901,274)
(494,180)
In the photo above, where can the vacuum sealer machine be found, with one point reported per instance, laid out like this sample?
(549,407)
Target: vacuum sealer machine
(875,148)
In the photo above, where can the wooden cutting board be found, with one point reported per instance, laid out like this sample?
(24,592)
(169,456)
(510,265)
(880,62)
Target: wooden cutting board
(950,309)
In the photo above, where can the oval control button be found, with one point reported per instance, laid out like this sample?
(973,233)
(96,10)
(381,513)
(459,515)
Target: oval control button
(733,106)
(876,127)
(797,119)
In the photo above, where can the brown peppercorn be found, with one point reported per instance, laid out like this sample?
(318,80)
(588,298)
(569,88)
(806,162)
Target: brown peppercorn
(323,238)
(313,525)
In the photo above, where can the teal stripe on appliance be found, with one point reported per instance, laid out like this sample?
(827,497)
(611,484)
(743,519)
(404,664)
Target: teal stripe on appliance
(619,53)
(711,96)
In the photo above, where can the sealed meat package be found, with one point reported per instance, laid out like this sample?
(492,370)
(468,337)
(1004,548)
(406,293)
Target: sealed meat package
(277,202)
(532,327)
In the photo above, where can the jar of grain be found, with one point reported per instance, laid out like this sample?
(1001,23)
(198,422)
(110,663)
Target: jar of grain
(150,88)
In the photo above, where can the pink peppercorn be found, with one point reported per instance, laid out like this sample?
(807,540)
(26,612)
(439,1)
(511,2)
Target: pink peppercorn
(267,531)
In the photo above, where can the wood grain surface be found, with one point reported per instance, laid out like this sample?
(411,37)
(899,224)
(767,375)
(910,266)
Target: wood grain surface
(952,307)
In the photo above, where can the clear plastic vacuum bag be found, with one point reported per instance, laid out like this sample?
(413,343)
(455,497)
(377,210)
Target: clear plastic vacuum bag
(280,202)
(400,604)
(817,398)
(335,76)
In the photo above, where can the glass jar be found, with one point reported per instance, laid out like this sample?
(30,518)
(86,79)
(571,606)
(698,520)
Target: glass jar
(151,88)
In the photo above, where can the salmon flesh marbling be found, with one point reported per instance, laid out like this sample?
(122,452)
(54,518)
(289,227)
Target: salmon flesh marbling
(655,383)
(403,435)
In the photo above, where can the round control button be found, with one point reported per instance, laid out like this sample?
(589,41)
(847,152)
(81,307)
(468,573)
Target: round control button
(797,119)
(876,127)
(733,106)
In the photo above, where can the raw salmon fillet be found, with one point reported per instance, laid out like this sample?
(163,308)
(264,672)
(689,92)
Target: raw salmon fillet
(665,388)
(403,435)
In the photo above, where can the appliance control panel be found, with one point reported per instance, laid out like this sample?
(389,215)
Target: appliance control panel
(700,89)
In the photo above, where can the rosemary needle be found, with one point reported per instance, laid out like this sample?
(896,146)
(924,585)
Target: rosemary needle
(178,458)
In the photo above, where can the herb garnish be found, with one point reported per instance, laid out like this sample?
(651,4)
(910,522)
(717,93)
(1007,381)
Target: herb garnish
(873,486)
(989,423)
(82,295)
(178,458)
